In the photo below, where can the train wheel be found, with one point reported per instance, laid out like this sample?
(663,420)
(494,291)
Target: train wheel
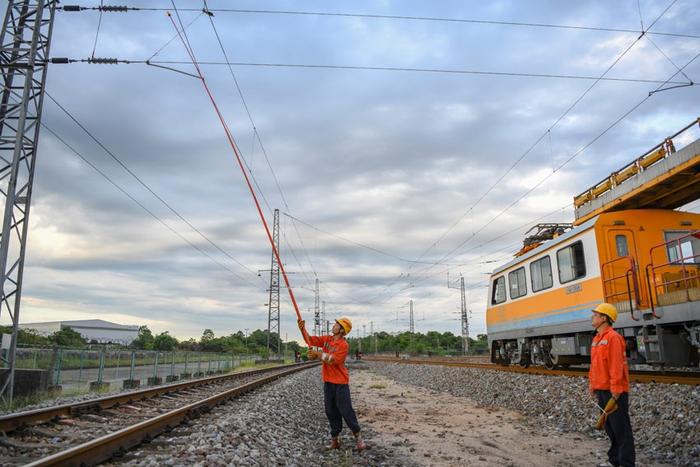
(549,361)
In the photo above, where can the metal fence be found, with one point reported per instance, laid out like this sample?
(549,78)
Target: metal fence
(77,369)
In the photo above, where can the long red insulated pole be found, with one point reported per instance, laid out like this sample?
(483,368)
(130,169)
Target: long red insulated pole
(232,142)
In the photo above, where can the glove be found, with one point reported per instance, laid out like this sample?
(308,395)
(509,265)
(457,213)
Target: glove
(302,324)
(313,355)
(610,407)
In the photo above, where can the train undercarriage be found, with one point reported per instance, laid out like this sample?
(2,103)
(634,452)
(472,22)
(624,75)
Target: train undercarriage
(672,345)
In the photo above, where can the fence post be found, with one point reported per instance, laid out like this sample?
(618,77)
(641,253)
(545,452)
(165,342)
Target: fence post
(82,362)
(199,362)
(100,371)
(218,363)
(34,359)
(186,355)
(116,372)
(155,366)
(209,364)
(133,364)
(59,358)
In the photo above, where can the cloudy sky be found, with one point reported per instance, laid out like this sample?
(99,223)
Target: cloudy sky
(376,169)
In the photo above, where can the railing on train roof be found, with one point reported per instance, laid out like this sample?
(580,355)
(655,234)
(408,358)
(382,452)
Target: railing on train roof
(677,278)
(610,284)
(642,163)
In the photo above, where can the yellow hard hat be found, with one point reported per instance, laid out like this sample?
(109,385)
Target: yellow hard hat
(345,324)
(608,310)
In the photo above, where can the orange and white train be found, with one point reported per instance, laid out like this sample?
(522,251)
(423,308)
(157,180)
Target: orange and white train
(644,261)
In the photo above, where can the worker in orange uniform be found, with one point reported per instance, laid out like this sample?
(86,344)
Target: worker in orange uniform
(609,383)
(336,391)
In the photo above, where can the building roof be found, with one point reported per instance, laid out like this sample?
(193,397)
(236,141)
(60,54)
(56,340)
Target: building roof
(88,323)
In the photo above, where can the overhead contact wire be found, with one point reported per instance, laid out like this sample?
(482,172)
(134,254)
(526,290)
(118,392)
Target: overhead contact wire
(236,152)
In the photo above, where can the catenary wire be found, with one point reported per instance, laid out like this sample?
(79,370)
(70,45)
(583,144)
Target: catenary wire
(417,18)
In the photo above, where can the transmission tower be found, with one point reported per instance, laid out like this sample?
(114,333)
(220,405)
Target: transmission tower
(465,318)
(324,321)
(273,305)
(317,311)
(24,49)
(464,315)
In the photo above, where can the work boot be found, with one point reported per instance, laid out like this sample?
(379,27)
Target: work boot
(359,442)
(335,443)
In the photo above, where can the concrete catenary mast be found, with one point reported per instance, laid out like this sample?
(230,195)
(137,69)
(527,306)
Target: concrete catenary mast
(273,304)
(317,311)
(24,49)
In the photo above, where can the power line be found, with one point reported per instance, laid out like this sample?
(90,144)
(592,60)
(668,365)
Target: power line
(145,185)
(411,18)
(545,134)
(379,68)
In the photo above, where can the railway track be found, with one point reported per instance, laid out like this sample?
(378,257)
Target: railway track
(666,377)
(90,432)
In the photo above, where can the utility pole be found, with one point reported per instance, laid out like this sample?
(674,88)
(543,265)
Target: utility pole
(317,311)
(273,304)
(463,312)
(411,326)
(24,55)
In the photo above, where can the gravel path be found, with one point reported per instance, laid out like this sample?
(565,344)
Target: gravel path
(665,418)
(281,424)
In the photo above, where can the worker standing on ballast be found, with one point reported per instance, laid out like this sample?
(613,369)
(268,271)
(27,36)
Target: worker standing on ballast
(336,379)
(609,384)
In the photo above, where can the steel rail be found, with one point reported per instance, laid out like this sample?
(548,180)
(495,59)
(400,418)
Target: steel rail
(11,422)
(667,377)
(117,443)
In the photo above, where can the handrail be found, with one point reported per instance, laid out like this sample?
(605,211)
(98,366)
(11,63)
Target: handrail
(630,270)
(681,262)
(646,160)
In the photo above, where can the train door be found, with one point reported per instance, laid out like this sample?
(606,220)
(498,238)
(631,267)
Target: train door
(621,271)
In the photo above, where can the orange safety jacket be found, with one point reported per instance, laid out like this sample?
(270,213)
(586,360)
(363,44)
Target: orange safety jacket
(333,370)
(609,369)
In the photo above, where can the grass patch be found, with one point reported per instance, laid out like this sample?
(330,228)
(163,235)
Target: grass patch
(378,386)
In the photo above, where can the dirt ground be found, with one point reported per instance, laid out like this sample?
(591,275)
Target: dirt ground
(440,429)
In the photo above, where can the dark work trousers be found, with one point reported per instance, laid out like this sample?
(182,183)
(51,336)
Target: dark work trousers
(336,398)
(619,430)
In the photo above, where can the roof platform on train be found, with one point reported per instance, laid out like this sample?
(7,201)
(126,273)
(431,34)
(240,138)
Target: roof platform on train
(662,178)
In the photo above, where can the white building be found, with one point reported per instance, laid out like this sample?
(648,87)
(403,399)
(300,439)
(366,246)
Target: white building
(91,329)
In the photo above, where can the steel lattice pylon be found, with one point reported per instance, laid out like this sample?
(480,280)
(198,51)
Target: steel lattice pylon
(273,310)
(24,48)
(465,318)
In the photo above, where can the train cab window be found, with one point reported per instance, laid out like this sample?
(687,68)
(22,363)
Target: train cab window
(621,246)
(518,284)
(682,248)
(571,262)
(541,274)
(499,291)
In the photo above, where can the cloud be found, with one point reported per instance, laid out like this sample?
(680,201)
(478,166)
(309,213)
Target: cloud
(391,160)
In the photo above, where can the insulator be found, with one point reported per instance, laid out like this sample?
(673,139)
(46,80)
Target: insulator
(60,60)
(71,8)
(103,61)
(113,8)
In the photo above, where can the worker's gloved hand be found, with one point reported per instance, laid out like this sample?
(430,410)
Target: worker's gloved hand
(610,407)
(313,355)
(302,324)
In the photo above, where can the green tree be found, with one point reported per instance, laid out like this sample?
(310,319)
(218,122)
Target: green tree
(144,340)
(164,341)
(67,337)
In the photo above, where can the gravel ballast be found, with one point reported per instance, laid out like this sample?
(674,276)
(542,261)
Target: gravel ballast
(665,418)
(283,423)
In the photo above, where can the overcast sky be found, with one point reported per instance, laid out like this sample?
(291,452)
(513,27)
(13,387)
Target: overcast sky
(392,160)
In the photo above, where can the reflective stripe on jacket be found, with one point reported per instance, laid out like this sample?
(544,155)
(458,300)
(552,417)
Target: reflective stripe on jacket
(333,371)
(609,369)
